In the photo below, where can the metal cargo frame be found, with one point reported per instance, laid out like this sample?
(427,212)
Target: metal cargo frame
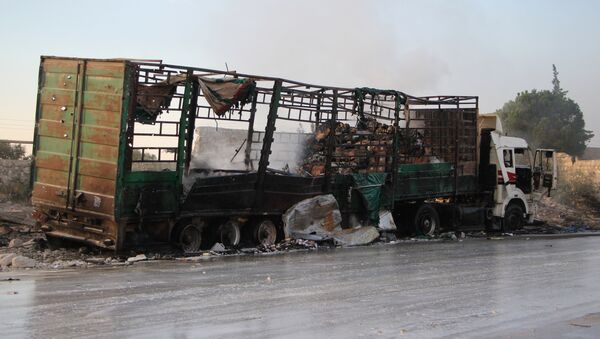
(113,185)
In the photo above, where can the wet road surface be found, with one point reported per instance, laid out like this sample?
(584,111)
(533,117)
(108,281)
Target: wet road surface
(477,288)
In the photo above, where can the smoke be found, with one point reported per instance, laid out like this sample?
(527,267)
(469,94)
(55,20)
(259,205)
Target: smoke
(224,149)
(331,43)
(338,43)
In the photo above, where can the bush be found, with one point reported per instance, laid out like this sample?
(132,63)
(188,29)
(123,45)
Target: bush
(13,152)
(580,188)
(15,191)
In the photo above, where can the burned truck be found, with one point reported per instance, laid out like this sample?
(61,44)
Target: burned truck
(138,151)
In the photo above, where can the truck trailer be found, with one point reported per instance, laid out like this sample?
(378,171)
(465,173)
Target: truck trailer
(129,152)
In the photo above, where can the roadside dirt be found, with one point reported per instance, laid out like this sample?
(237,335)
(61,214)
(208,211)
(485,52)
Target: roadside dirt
(555,214)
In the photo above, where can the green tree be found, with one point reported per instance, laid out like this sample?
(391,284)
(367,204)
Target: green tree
(547,119)
(8,151)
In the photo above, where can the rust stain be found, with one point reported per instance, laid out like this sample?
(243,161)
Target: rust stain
(55,129)
(100,135)
(96,185)
(94,168)
(54,162)
(53,177)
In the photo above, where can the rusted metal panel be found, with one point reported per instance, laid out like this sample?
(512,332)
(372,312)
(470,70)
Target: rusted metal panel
(58,96)
(56,177)
(61,80)
(100,135)
(53,145)
(102,101)
(104,84)
(54,161)
(95,185)
(55,129)
(57,112)
(46,195)
(93,117)
(76,145)
(99,204)
(99,138)
(98,169)
(98,152)
(56,102)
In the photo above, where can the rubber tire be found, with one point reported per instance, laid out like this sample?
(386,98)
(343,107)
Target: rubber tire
(265,232)
(189,238)
(426,220)
(229,233)
(55,243)
(513,218)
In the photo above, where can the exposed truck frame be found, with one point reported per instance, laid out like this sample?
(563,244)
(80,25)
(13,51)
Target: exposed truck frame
(114,158)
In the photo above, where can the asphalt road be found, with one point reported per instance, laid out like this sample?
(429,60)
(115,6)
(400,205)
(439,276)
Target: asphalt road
(476,288)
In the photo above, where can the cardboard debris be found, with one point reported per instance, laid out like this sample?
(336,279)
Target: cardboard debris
(356,236)
(313,219)
(386,221)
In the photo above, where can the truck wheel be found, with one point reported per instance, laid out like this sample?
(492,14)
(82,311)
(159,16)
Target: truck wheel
(54,243)
(229,233)
(513,218)
(426,220)
(189,238)
(265,232)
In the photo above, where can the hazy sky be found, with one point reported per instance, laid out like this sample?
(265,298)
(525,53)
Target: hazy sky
(492,49)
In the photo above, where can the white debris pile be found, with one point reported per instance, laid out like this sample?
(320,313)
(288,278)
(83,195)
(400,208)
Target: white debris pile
(319,219)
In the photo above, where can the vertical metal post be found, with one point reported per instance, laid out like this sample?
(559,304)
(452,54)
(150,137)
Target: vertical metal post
(191,125)
(247,160)
(183,124)
(406,141)
(38,112)
(267,142)
(318,112)
(395,141)
(331,141)
(76,135)
(456,145)
(126,137)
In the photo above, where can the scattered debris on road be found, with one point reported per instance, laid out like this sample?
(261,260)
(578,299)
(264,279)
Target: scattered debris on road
(311,224)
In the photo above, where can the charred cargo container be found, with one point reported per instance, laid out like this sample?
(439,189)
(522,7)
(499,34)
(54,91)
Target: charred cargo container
(130,151)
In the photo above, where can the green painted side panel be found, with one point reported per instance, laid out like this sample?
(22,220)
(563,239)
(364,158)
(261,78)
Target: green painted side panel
(414,182)
(148,199)
(145,194)
(54,145)
(147,176)
(62,80)
(425,169)
(57,94)
(94,117)
(103,84)
(98,152)
(77,134)
(424,180)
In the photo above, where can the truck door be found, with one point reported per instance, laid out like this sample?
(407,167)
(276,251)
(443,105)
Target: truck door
(506,173)
(77,134)
(544,170)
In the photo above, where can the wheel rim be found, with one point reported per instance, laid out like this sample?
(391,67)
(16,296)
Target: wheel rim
(266,233)
(426,224)
(190,238)
(229,233)
(514,220)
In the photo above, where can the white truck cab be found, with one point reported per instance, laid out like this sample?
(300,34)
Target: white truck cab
(523,177)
